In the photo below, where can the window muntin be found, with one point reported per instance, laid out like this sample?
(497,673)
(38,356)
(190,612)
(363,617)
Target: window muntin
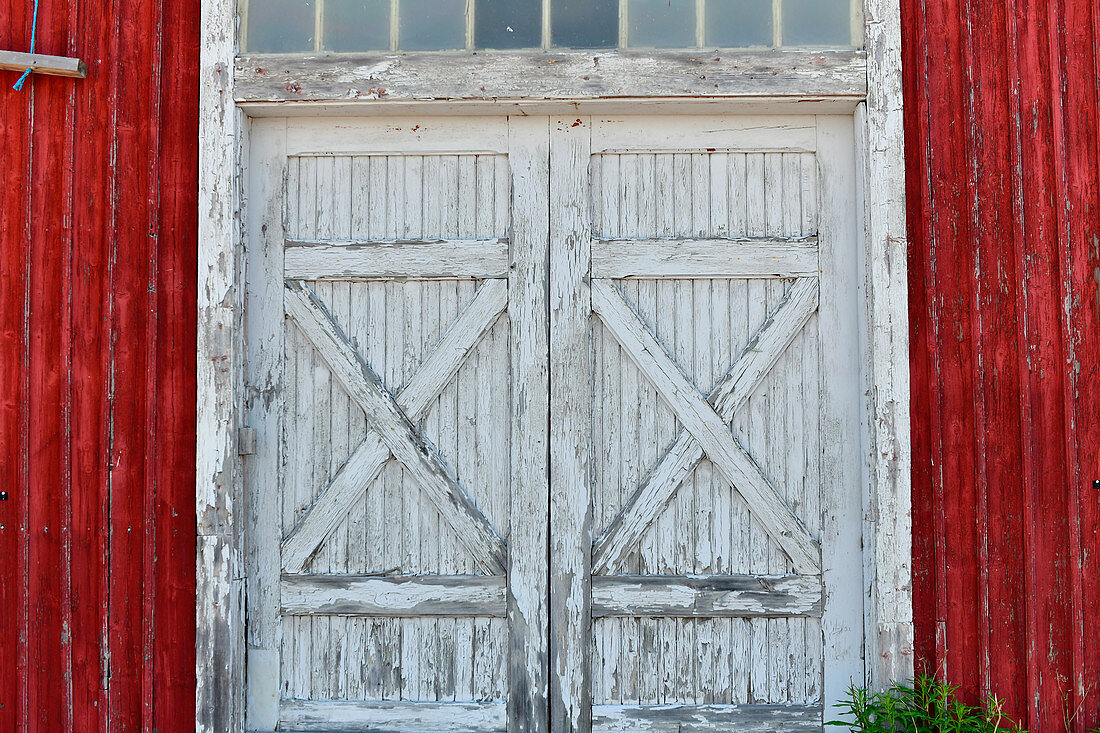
(349,26)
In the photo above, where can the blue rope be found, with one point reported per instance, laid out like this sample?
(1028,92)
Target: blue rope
(34,29)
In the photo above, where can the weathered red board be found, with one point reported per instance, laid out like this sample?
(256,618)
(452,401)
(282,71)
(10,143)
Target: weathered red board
(1003,136)
(97,341)
(97,329)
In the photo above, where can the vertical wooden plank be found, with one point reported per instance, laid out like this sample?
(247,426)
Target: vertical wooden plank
(133,367)
(88,432)
(1043,299)
(46,320)
(219,664)
(1080,111)
(358,533)
(769,431)
(528,279)
(839,421)
(173,649)
(570,416)
(810,380)
(15,221)
(720,509)
(647,557)
(434,195)
(1068,122)
(390,304)
(413,639)
(264,389)
(450,557)
(485,662)
(340,629)
(743,656)
(619,379)
(889,528)
(995,324)
(760,552)
(791,466)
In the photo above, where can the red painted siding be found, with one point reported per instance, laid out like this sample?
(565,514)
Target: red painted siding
(1003,129)
(97,340)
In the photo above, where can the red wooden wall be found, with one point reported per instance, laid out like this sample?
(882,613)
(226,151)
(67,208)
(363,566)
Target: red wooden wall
(1003,135)
(97,340)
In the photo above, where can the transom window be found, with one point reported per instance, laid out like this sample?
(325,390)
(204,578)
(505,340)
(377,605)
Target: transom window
(348,26)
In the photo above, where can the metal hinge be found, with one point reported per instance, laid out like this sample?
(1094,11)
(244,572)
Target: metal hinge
(246,441)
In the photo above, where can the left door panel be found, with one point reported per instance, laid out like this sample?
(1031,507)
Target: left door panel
(396,330)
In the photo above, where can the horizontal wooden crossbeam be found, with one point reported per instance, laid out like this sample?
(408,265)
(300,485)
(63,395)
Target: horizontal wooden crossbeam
(40,63)
(707,596)
(378,715)
(448,259)
(699,718)
(704,258)
(491,717)
(405,596)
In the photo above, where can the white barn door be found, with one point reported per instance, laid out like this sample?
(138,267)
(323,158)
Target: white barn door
(704,423)
(556,424)
(397,381)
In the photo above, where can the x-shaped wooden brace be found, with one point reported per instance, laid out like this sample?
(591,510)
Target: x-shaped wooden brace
(391,429)
(706,427)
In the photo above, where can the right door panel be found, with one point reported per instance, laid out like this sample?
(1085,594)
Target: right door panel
(723,441)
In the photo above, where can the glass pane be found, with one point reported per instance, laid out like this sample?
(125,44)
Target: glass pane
(817,23)
(738,23)
(661,23)
(585,23)
(357,25)
(508,23)
(280,26)
(432,25)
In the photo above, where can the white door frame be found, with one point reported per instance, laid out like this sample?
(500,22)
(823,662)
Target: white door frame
(223,133)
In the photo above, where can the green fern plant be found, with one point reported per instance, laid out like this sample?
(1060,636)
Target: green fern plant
(926,706)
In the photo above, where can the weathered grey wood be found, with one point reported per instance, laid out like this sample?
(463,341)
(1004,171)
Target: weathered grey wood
(528,655)
(843,550)
(756,360)
(404,596)
(693,138)
(219,613)
(419,457)
(220,646)
(264,408)
(40,63)
(888,518)
(436,371)
(570,421)
(476,258)
(387,717)
(707,596)
(410,139)
(704,258)
(700,718)
(707,427)
(556,75)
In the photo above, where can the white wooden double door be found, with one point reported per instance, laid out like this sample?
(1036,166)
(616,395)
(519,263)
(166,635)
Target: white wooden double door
(558,423)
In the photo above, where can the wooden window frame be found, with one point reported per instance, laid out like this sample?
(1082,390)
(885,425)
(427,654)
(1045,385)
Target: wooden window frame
(866,84)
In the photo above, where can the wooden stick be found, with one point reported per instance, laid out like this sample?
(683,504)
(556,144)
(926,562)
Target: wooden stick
(40,63)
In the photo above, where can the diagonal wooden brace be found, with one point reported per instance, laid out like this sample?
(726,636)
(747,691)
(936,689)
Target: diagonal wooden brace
(392,432)
(709,432)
